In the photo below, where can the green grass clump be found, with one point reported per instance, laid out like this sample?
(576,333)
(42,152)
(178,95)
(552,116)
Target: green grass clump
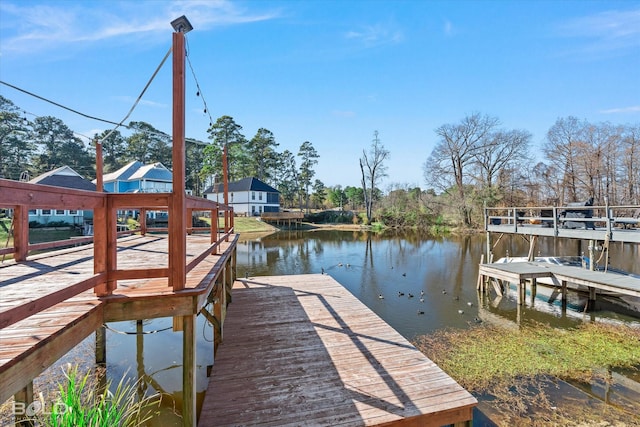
(81,404)
(515,373)
(482,357)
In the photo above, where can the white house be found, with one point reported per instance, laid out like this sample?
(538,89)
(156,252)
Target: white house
(249,196)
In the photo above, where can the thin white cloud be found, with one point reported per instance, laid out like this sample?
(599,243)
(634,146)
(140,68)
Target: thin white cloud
(131,100)
(376,35)
(632,109)
(31,27)
(448,28)
(343,114)
(610,32)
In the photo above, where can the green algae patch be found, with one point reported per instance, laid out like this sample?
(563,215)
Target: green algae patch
(484,355)
(533,376)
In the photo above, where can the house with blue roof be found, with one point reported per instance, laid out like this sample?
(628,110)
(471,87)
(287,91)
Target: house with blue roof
(248,196)
(136,177)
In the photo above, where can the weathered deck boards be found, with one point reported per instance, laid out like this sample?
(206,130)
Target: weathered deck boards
(30,283)
(302,350)
(516,271)
(30,345)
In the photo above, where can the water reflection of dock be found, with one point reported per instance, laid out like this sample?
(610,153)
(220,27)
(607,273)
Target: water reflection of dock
(303,350)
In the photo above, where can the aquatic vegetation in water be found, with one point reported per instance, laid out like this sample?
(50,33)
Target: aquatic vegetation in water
(517,371)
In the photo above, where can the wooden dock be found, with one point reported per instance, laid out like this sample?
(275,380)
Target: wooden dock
(500,274)
(282,218)
(29,343)
(302,350)
(603,223)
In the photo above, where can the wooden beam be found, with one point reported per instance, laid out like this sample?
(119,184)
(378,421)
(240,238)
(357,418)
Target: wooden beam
(22,399)
(101,346)
(177,201)
(189,371)
(23,311)
(14,193)
(21,233)
(18,375)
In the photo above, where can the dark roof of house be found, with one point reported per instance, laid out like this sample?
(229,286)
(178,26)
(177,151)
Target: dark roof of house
(64,177)
(245,184)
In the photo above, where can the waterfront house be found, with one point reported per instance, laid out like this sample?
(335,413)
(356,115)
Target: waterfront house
(65,177)
(248,196)
(136,177)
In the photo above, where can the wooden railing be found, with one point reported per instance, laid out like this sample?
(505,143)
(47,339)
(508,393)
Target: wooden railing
(282,215)
(21,197)
(557,217)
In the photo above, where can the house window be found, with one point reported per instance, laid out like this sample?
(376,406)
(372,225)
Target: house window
(46,211)
(260,195)
(253,195)
(33,212)
(260,209)
(73,212)
(59,211)
(253,210)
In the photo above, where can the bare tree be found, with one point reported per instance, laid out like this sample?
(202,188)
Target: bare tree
(630,167)
(449,165)
(373,170)
(504,150)
(562,150)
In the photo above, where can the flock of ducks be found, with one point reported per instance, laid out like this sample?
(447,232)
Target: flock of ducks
(410,295)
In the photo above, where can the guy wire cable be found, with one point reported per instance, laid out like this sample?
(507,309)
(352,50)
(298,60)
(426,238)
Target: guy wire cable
(135,104)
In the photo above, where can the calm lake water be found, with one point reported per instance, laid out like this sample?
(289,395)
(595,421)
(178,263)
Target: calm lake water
(440,273)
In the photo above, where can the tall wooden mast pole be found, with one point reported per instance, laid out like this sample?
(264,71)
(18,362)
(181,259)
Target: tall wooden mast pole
(177,203)
(225,185)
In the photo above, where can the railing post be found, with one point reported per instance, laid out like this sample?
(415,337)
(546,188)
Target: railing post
(111,243)
(101,245)
(21,232)
(142,219)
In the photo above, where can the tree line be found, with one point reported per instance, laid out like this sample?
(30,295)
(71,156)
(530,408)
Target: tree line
(474,162)
(29,148)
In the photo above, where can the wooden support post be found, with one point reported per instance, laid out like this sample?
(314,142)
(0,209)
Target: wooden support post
(21,233)
(214,228)
(189,219)
(218,312)
(592,298)
(534,291)
(189,371)
(22,400)
(496,286)
(101,346)
(532,248)
(479,281)
(142,219)
(564,291)
(112,244)
(522,288)
(177,201)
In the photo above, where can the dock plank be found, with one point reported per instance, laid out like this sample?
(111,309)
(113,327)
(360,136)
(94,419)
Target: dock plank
(302,350)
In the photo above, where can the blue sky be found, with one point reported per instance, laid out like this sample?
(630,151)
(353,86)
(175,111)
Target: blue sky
(331,72)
